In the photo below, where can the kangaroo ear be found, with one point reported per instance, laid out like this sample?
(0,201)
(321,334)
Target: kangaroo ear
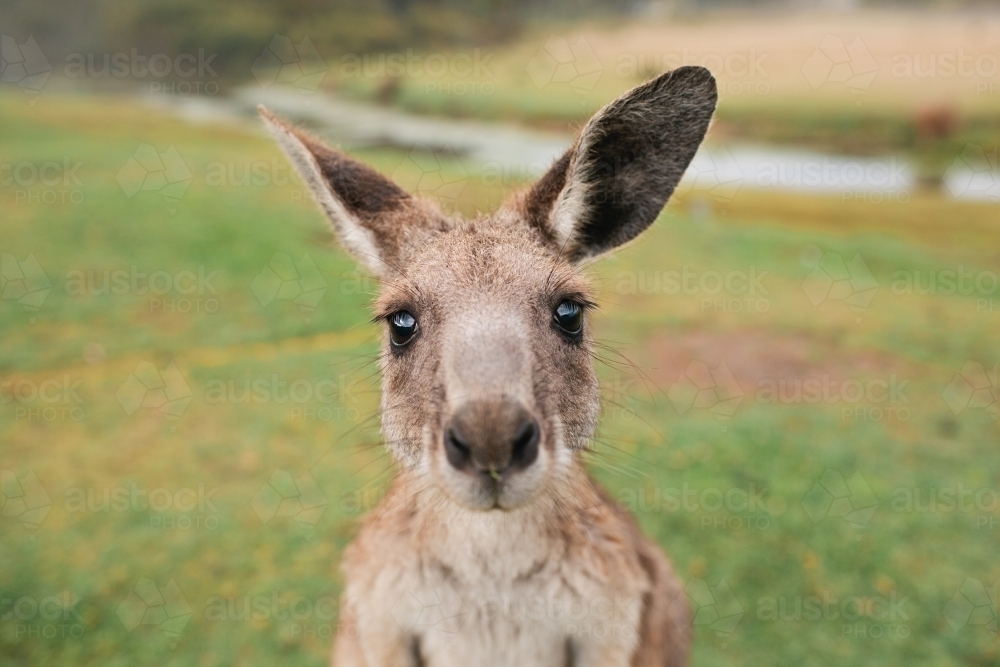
(625,165)
(373,217)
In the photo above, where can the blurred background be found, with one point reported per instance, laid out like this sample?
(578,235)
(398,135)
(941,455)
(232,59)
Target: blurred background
(800,378)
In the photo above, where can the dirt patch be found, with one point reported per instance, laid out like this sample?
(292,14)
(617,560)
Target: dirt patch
(757,360)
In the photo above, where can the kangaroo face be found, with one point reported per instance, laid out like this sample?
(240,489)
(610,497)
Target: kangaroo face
(488,383)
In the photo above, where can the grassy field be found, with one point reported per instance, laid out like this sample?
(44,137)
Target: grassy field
(188,432)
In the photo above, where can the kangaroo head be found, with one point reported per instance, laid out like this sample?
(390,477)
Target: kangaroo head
(488,385)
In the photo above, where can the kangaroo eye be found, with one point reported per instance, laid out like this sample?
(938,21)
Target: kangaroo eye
(402,327)
(569,318)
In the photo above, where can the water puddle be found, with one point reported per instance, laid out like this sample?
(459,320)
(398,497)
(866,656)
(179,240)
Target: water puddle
(524,153)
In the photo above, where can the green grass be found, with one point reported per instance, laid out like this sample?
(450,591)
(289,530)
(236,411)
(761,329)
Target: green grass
(223,554)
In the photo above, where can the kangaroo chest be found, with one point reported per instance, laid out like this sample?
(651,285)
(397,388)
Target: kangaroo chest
(499,597)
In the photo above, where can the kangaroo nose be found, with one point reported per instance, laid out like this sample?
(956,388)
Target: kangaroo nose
(492,437)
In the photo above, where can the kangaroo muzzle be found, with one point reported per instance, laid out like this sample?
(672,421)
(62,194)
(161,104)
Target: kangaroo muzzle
(496,438)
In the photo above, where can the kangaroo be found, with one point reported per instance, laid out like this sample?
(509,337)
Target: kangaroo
(493,546)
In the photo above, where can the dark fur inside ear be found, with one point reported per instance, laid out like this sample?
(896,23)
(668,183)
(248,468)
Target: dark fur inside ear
(374,218)
(625,165)
(635,153)
(363,191)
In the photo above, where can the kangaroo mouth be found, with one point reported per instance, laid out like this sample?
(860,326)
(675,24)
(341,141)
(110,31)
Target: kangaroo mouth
(491,489)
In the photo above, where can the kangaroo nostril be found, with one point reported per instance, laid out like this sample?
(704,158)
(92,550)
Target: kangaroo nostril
(525,447)
(493,438)
(457,451)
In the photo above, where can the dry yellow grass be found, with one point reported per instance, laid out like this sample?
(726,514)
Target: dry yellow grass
(918,59)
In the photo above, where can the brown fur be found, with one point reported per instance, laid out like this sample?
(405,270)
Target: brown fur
(531,565)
